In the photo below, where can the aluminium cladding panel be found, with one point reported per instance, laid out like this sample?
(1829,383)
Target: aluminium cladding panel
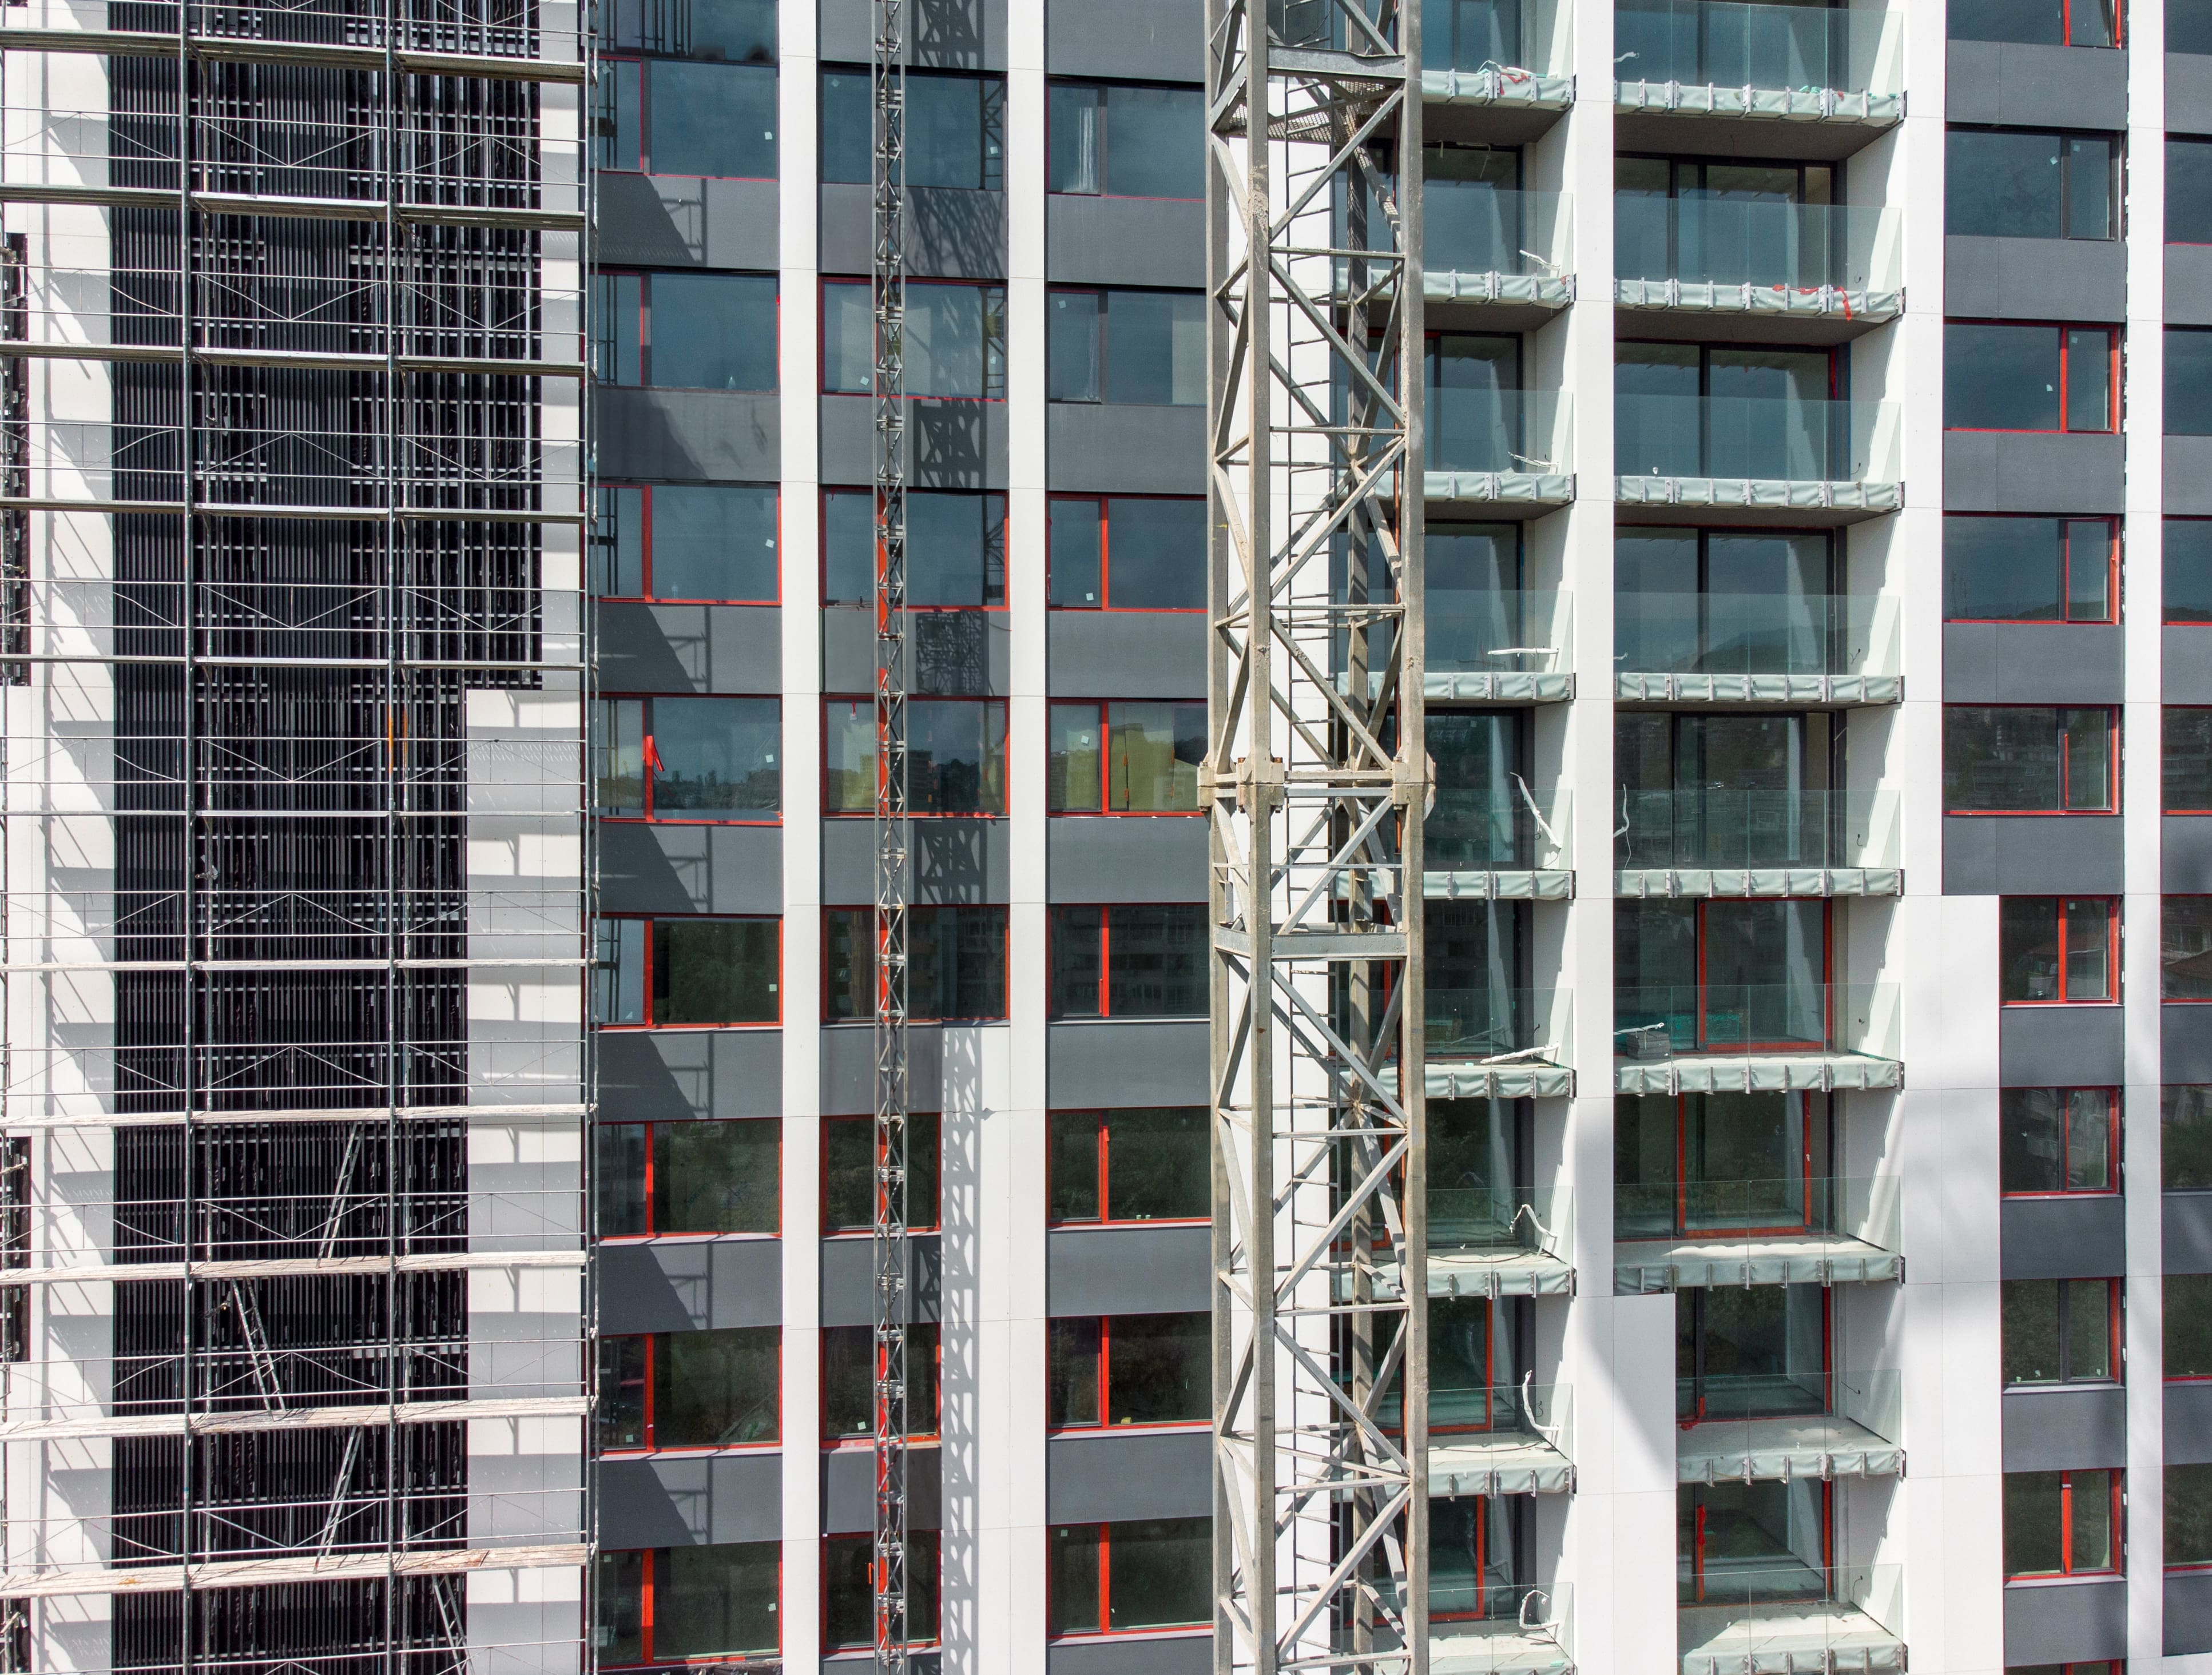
(2184,1045)
(941,34)
(2030,854)
(689,436)
(670,221)
(2186,1439)
(951,233)
(690,1284)
(2188,94)
(848,1067)
(2185,662)
(849,1489)
(1127,1061)
(2034,663)
(2188,296)
(950,861)
(2065,1622)
(2060,1047)
(2185,854)
(1097,1478)
(1123,858)
(849,1278)
(2070,476)
(1132,1654)
(1110,449)
(2009,84)
(1137,40)
(689,1075)
(1125,241)
(952,444)
(956,654)
(2035,279)
(688,649)
(2065,1428)
(689,868)
(692,1501)
(2189,475)
(2185,1232)
(1128,1270)
(2079,1237)
(1125,654)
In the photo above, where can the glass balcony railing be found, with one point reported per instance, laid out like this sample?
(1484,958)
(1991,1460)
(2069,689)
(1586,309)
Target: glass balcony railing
(1667,1020)
(1535,1220)
(1468,38)
(1783,1412)
(1470,229)
(1777,1612)
(1497,828)
(1755,633)
(1769,438)
(1525,432)
(1672,829)
(1863,1207)
(1758,242)
(1490,631)
(1496,1023)
(1469,1412)
(1716,42)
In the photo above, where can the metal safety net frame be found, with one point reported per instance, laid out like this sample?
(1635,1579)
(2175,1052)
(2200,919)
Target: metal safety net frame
(1315,781)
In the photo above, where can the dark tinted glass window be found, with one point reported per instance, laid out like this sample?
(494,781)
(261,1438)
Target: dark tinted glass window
(1140,1574)
(714,331)
(711,120)
(955,132)
(2023,758)
(2056,1140)
(2057,948)
(848,1393)
(2186,948)
(955,340)
(955,549)
(2027,569)
(848,1589)
(2188,382)
(2026,377)
(2035,22)
(683,1604)
(2186,1140)
(1129,961)
(2185,762)
(2188,191)
(956,962)
(2187,569)
(688,758)
(2059,1331)
(2006,184)
(725,31)
(848,1150)
(682,541)
(2060,1523)
(1139,347)
(2188,1309)
(1127,142)
(2189,26)
(847,127)
(956,760)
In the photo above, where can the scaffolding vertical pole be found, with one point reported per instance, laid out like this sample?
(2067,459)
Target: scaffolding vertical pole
(1314,781)
(893,1305)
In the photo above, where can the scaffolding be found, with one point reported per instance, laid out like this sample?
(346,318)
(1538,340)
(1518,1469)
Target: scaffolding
(1316,778)
(293,941)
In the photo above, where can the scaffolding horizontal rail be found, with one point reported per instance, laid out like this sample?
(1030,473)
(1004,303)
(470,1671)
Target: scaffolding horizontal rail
(294,1418)
(369,210)
(284,1267)
(292,360)
(552,1112)
(353,514)
(315,55)
(276,1572)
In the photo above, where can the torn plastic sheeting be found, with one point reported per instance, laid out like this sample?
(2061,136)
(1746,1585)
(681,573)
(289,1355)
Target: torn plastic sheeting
(1641,687)
(1759,883)
(1520,1081)
(1700,1465)
(1545,1474)
(1543,290)
(1497,84)
(1518,488)
(1507,687)
(1712,297)
(1781,493)
(1504,884)
(1754,1073)
(1790,104)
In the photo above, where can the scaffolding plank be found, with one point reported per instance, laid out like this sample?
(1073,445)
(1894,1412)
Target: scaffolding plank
(218,49)
(294,1418)
(58,1583)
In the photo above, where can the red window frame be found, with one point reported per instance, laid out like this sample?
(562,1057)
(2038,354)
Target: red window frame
(2119,39)
(1006,755)
(651,762)
(1106,1589)
(1105,911)
(822,340)
(1104,1156)
(1105,1393)
(821,557)
(1686,1229)
(2115,1343)
(649,920)
(644,492)
(2115,1486)
(1106,131)
(831,1543)
(1104,709)
(1698,1541)
(1481,1521)
(2112,1121)
(652,1168)
(1005,931)
(1103,502)
(2111,804)
(936,1208)
(2111,561)
(645,277)
(647,1588)
(833,1442)
(1827,991)
(2114,410)
(2111,955)
(632,59)
(652,1344)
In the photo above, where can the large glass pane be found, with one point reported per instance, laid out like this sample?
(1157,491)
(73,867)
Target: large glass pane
(618,544)
(1471,1371)
(2055,1140)
(1075,1166)
(958,963)
(2088,380)
(955,340)
(1156,1164)
(1077,939)
(1076,550)
(847,127)
(1769,415)
(721,31)
(715,543)
(849,340)
(2001,377)
(1472,203)
(2031,22)
(2187,1326)
(716,970)
(718,1177)
(715,1389)
(2088,758)
(2003,186)
(2187,191)
(1471,1573)
(1073,162)
(1162,1572)
(849,756)
(956,758)
(2034,1523)
(2003,569)
(850,1601)
(1654,580)
(1473,1185)
(619,1156)
(1747,1163)
(1466,34)
(2088,1304)
(2090,209)
(1160,1368)
(1474,1007)
(848,547)
(618,751)
(1753,1542)
(1474,410)
(716,1601)
(716,758)
(1658,425)
(2187,569)
(1155,143)
(2027,948)
(2185,951)
(620,1630)
(1155,554)
(2002,759)
(2188,382)
(1072,1355)
(1156,348)
(956,547)
(1152,758)
(1474,604)
(1157,962)
(2188,1515)
(619,1414)
(2186,1140)
(1752,1353)
(1478,820)
(1071,1604)
(955,130)
(2029,1324)
(1074,771)
(1765,966)
(849,1380)
(714,331)
(1072,320)
(618,971)
(714,120)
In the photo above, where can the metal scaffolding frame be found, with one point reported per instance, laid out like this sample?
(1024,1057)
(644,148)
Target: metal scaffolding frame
(1316,779)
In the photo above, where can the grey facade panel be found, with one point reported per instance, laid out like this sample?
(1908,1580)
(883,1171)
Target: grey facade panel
(2026,472)
(956,443)
(2185,854)
(697,1500)
(941,34)
(1126,653)
(1106,858)
(2075,1237)
(950,861)
(2035,279)
(2033,662)
(674,220)
(2031,854)
(736,649)
(2184,1045)
(1142,40)
(848,1278)
(2189,475)
(1096,1479)
(2008,83)
(1129,1062)
(691,1284)
(848,1488)
(688,436)
(955,653)
(2188,1429)
(2188,94)
(656,869)
(2185,1232)
(951,234)
(2065,1622)
(2065,1429)
(2185,663)
(2189,284)
(2187,1602)
(1124,241)
(848,1069)
(1127,1270)
(1111,449)
(678,1075)
(1133,1655)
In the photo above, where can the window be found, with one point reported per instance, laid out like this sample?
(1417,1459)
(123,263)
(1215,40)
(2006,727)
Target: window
(2028,759)
(1468,35)
(2185,1138)
(2186,1331)
(1476,419)
(2187,569)
(2188,27)
(2101,1668)
(661,971)
(848,1172)
(2038,23)
(720,31)
(2059,1140)
(1129,961)
(1717,976)
(691,1389)
(688,758)
(956,128)
(2054,949)
(657,1177)
(1139,348)
(1683,410)
(2017,184)
(1685,1164)
(955,963)
(848,1381)
(848,1589)
(955,339)
(1125,758)
(1726,222)
(2188,1517)
(2188,382)
(2187,191)
(1130,1166)
(956,549)
(1126,142)
(684,116)
(1130,1369)
(2184,960)
(2030,377)
(2030,569)
(682,541)
(1727,601)
(1126,552)
(2061,1523)
(2060,1331)
(1762,1541)
(685,330)
(956,760)
(1750,1352)
(680,1604)
(2185,761)
(1147,1573)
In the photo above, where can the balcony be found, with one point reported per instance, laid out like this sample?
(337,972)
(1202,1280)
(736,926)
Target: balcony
(1800,64)
(1496,646)
(1755,1037)
(1483,844)
(1500,450)
(1525,1630)
(1823,270)
(1500,1241)
(1485,246)
(1829,650)
(1511,55)
(1803,458)
(1793,1619)
(1501,1439)
(1803,1230)
(1500,1043)
(1757,843)
(1785,1431)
